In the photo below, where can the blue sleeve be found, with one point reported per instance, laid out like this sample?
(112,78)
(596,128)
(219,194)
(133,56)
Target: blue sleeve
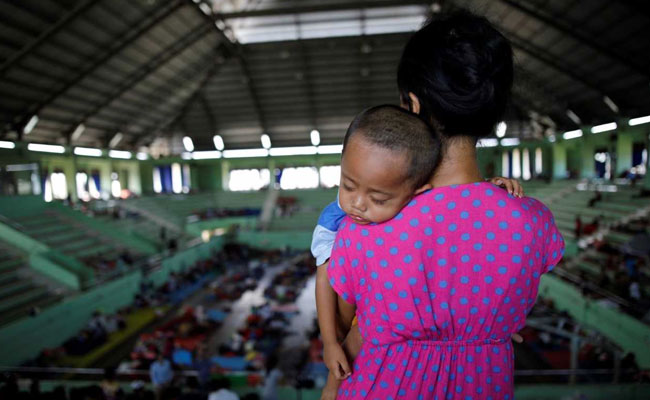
(325,232)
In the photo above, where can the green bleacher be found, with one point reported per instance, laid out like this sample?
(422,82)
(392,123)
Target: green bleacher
(18,292)
(309,205)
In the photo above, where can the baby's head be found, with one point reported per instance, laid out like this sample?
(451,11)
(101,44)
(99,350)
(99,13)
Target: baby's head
(388,157)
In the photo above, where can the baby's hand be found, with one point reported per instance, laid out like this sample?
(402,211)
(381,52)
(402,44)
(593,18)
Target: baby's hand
(336,361)
(511,185)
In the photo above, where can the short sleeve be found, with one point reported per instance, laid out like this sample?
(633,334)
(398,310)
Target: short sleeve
(552,241)
(340,271)
(325,232)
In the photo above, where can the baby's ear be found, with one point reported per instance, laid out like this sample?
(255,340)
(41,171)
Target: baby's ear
(422,189)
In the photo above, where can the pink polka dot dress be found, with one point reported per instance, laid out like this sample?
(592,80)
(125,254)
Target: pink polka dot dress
(439,290)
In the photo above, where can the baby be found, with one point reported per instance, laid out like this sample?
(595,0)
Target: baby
(389,155)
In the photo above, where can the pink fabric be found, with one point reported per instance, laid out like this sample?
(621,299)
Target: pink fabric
(440,289)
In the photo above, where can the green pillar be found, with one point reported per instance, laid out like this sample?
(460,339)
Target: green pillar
(146,177)
(623,152)
(559,160)
(587,169)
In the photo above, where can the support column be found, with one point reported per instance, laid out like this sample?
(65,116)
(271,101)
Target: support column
(587,164)
(623,152)
(559,160)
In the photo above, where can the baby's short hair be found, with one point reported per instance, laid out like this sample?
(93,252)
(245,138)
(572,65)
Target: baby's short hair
(394,128)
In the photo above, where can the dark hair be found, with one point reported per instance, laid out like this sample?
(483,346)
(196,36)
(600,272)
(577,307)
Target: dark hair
(394,128)
(460,68)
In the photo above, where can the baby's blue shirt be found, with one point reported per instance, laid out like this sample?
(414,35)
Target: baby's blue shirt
(322,240)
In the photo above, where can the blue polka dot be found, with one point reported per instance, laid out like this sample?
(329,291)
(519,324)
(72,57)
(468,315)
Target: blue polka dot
(488,279)
(442,284)
(503,225)
(379,241)
(398,272)
(489,214)
(425,209)
(490,235)
(403,236)
(464,258)
(413,281)
(374,275)
(465,193)
(476,268)
(516,259)
(403,294)
(408,315)
(503,248)
(502,270)
(442,262)
(393,306)
(465,236)
(383,263)
(463,300)
(414,222)
(475,289)
(478,224)
(489,192)
(476,203)
(440,218)
(464,215)
(399,216)
(412,203)
(478,246)
(516,214)
(490,258)
(388,229)
(452,227)
(364,232)
(501,203)
(464,279)
(451,205)
(370,254)
(388,285)
(428,231)
(393,250)
(379,296)
(440,240)
(408,258)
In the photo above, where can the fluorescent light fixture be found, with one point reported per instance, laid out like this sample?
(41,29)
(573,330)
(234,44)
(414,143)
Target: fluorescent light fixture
(640,120)
(116,139)
(572,134)
(31,124)
(4,144)
(142,156)
(510,142)
(87,151)
(293,151)
(610,103)
(78,131)
(315,137)
(218,142)
(186,156)
(487,142)
(573,117)
(21,167)
(243,153)
(46,148)
(603,128)
(330,149)
(266,141)
(206,155)
(124,155)
(188,143)
(501,129)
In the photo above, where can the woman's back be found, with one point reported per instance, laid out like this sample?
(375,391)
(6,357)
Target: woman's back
(440,289)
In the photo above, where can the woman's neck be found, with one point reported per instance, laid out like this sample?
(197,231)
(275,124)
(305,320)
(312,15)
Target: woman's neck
(458,165)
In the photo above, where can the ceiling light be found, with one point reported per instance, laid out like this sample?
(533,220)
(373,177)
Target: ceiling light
(573,117)
(125,155)
(293,151)
(77,132)
(31,124)
(243,153)
(87,151)
(610,103)
(315,137)
(487,142)
(46,148)
(572,134)
(330,149)
(640,120)
(188,143)
(186,156)
(218,142)
(603,128)
(206,155)
(510,142)
(501,129)
(142,156)
(4,144)
(266,141)
(116,139)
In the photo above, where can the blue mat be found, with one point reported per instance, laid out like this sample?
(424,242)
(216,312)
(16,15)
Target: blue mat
(231,363)
(182,357)
(216,315)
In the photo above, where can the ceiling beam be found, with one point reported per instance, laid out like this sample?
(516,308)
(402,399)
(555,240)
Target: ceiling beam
(238,52)
(554,22)
(544,57)
(303,58)
(176,117)
(325,7)
(166,55)
(46,34)
(123,42)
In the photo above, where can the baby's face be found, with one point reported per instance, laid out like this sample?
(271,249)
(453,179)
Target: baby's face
(373,182)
